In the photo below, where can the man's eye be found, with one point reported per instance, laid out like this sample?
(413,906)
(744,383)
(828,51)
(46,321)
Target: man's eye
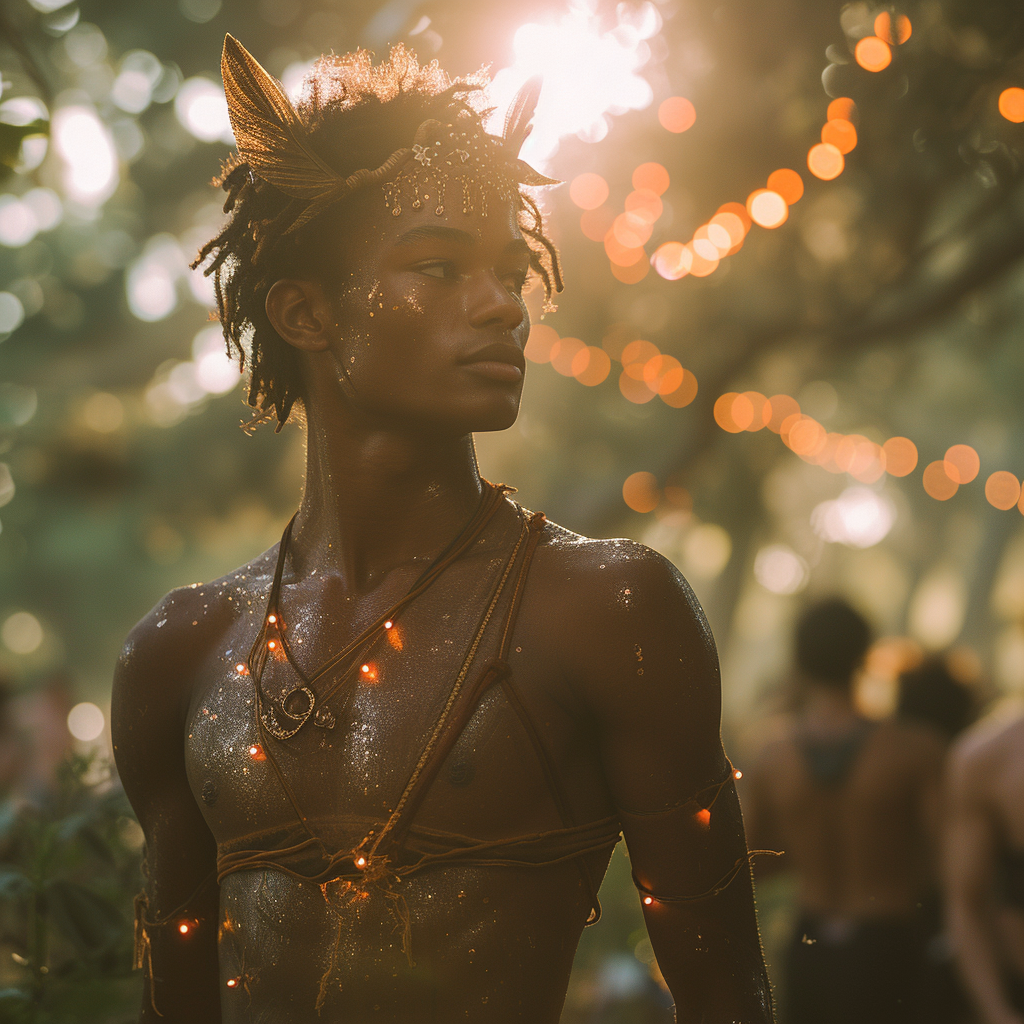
(442,269)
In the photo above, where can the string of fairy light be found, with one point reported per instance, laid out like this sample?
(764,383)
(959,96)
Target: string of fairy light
(647,373)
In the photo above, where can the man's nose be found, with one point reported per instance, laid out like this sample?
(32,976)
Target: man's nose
(491,304)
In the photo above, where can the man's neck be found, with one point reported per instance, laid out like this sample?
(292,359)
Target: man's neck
(377,497)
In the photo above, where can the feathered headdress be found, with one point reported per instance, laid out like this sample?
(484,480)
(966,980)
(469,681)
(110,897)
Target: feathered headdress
(274,140)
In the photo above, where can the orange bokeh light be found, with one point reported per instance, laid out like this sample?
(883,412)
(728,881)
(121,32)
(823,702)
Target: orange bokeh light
(740,210)
(563,352)
(873,54)
(619,254)
(1011,104)
(591,366)
(588,191)
(1002,489)
(783,406)
(700,266)
(760,410)
(842,108)
(672,260)
(806,437)
(900,456)
(702,245)
(646,202)
(703,817)
(677,114)
(787,183)
(884,28)
(651,176)
(962,463)
(937,482)
(639,351)
(633,386)
(640,492)
(767,208)
(684,394)
(825,161)
(540,343)
(723,413)
(631,231)
(632,274)
(733,226)
(840,133)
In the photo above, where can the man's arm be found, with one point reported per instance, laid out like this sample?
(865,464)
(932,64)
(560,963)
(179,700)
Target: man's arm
(968,863)
(148,708)
(648,669)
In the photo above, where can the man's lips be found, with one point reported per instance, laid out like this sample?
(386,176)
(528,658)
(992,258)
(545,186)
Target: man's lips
(498,361)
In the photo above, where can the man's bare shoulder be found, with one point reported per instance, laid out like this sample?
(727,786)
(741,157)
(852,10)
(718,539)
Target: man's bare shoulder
(618,574)
(168,646)
(617,601)
(988,746)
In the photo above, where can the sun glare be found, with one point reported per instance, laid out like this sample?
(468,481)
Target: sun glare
(591,70)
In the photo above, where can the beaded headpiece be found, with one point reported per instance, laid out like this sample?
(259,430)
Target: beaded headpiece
(454,162)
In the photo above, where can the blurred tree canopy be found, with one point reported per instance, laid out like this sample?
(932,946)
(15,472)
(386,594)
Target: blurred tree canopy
(886,304)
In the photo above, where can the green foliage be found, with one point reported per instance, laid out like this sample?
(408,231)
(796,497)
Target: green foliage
(11,138)
(69,867)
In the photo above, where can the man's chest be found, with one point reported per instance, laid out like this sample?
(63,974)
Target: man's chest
(348,768)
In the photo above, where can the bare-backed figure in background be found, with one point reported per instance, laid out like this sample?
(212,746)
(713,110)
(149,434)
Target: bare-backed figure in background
(853,803)
(983,866)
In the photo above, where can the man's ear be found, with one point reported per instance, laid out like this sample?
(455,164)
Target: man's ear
(300,313)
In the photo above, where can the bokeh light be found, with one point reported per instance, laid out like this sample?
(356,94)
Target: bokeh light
(782,407)
(588,191)
(151,281)
(653,177)
(1011,104)
(707,549)
(858,518)
(563,352)
(540,343)
(842,108)
(900,456)
(841,134)
(12,313)
(591,366)
(216,372)
(872,53)
(1002,489)
(591,65)
(938,484)
(787,183)
(595,224)
(672,260)
(962,463)
(780,569)
(21,633)
(767,209)
(640,492)
(677,114)
(884,28)
(684,394)
(85,722)
(723,413)
(103,412)
(87,149)
(825,161)
(203,110)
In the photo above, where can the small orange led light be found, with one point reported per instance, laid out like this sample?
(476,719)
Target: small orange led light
(232,982)
(271,619)
(704,817)
(737,774)
(240,668)
(388,624)
(648,900)
(256,753)
(271,644)
(184,928)
(360,862)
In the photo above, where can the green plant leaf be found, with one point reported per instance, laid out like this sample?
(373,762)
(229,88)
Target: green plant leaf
(11,137)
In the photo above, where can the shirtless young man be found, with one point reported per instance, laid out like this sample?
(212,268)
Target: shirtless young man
(416,832)
(854,806)
(983,866)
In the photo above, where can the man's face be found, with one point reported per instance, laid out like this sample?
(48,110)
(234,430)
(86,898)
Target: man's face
(431,323)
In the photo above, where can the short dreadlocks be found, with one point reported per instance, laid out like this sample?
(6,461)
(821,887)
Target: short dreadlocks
(358,114)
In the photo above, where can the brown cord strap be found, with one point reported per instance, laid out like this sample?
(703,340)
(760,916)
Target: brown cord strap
(719,887)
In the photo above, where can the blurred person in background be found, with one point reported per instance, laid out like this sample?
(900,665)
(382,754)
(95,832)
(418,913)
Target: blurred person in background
(983,865)
(853,804)
(411,832)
